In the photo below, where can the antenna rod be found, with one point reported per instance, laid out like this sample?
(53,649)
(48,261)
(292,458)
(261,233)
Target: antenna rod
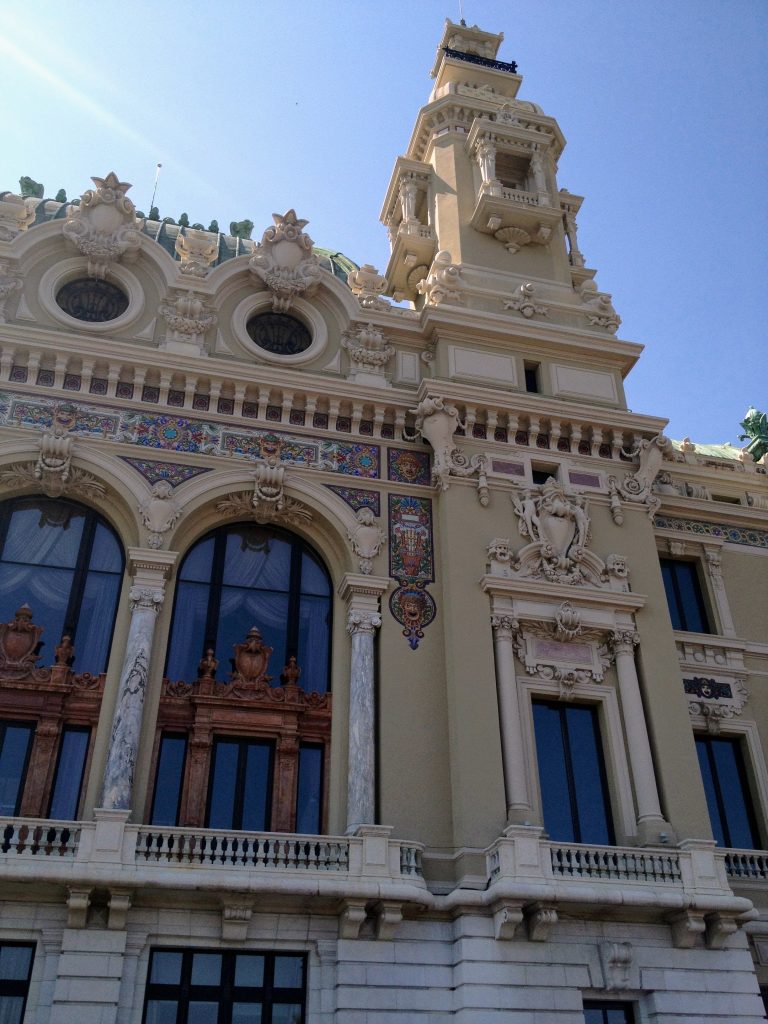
(158,168)
(461,12)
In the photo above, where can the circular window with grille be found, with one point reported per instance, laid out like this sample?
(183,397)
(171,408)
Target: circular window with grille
(278,333)
(91,300)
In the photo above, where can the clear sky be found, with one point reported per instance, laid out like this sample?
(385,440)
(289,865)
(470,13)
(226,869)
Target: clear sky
(257,107)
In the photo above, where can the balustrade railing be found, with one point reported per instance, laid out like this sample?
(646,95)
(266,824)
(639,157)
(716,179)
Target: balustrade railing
(247,849)
(747,865)
(615,864)
(518,196)
(21,837)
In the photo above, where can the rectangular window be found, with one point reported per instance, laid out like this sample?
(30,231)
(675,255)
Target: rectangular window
(309,792)
(240,790)
(598,1012)
(728,798)
(15,971)
(574,791)
(207,987)
(15,747)
(532,380)
(70,769)
(169,780)
(684,596)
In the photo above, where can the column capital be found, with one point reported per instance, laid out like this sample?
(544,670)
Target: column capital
(362,621)
(150,598)
(624,640)
(363,593)
(504,626)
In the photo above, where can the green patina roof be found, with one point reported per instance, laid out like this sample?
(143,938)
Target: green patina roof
(714,451)
(230,246)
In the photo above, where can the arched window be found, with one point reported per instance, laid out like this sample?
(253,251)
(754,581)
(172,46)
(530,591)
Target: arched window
(66,563)
(247,575)
(261,755)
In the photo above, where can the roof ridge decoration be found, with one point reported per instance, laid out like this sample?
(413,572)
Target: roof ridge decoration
(285,261)
(104,226)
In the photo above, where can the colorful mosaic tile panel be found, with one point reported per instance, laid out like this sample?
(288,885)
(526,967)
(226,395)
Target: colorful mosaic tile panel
(253,444)
(18,374)
(150,393)
(226,406)
(731,534)
(296,417)
(358,498)
(124,390)
(251,409)
(200,403)
(45,378)
(414,608)
(98,386)
(170,471)
(176,432)
(186,434)
(411,554)
(352,459)
(406,466)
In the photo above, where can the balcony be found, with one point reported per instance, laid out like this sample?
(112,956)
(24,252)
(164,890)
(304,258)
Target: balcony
(514,216)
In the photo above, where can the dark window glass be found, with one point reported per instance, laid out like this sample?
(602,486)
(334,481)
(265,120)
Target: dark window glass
(248,575)
(201,987)
(540,476)
(684,596)
(15,972)
(62,560)
(532,378)
(608,1013)
(727,788)
(309,795)
(240,791)
(169,779)
(279,333)
(70,769)
(15,746)
(574,793)
(92,300)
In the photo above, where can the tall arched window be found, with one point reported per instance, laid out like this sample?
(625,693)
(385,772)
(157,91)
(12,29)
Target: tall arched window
(247,575)
(66,563)
(261,755)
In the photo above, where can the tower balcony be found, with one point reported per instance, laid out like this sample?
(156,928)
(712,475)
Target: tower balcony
(413,248)
(514,216)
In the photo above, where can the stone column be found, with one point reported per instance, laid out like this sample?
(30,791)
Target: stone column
(519,810)
(363,619)
(150,570)
(650,820)
(539,177)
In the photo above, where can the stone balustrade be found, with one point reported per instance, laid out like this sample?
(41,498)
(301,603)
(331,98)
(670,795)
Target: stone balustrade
(746,865)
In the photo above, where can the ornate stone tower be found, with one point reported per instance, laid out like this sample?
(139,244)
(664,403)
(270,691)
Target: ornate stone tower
(476,219)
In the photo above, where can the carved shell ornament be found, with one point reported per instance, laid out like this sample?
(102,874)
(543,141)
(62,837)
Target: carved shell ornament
(285,261)
(104,227)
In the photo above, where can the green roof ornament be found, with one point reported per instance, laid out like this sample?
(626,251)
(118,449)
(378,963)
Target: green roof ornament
(241,228)
(755,426)
(154,213)
(31,189)
(184,220)
(214,226)
(61,196)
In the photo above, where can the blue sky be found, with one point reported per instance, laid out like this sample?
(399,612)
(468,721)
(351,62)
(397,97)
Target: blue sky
(257,107)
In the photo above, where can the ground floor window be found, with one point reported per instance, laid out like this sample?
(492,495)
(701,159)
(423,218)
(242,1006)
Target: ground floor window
(607,1013)
(15,971)
(192,986)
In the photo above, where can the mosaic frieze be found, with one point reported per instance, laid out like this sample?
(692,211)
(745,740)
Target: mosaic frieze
(709,689)
(412,564)
(405,466)
(187,434)
(170,471)
(357,498)
(731,534)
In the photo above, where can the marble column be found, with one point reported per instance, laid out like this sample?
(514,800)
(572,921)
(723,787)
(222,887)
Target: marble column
(145,603)
(361,786)
(519,810)
(649,817)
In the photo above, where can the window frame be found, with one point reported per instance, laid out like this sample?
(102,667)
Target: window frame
(562,708)
(226,988)
(700,595)
(741,748)
(20,723)
(81,569)
(7,986)
(65,728)
(611,1004)
(243,743)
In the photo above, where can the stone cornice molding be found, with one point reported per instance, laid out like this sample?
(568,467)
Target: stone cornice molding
(148,564)
(555,593)
(362,594)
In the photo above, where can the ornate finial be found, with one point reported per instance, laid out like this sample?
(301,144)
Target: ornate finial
(291,672)
(208,665)
(64,651)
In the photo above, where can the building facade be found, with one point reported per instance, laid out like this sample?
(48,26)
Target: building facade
(363,658)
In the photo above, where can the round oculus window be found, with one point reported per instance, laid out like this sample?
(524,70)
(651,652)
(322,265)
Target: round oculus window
(91,300)
(279,334)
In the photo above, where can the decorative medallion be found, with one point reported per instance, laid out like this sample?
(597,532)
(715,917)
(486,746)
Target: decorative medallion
(405,466)
(414,608)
